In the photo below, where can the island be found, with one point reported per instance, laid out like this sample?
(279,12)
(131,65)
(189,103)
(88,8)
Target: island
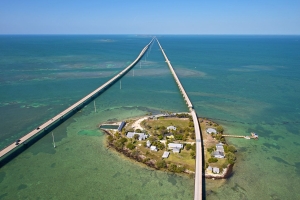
(167,142)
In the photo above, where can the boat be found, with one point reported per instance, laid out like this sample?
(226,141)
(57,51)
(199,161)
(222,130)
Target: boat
(254,135)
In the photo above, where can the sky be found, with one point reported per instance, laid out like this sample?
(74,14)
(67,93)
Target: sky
(279,17)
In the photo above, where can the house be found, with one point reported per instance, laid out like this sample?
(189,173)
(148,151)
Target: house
(166,154)
(209,169)
(153,148)
(121,125)
(211,130)
(169,128)
(219,153)
(176,150)
(175,147)
(216,170)
(220,147)
(142,136)
(148,143)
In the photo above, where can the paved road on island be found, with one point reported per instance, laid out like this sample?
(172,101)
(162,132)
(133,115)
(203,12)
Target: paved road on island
(198,168)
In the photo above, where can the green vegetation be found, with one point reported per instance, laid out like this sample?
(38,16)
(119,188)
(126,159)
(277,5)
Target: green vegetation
(188,146)
(230,158)
(161,164)
(220,129)
(130,146)
(160,137)
(193,154)
(174,168)
(212,160)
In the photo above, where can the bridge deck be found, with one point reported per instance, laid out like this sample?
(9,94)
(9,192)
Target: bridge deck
(198,168)
(73,107)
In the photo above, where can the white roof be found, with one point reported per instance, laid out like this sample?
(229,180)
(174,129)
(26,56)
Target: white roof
(153,148)
(216,170)
(176,150)
(142,136)
(171,127)
(174,145)
(166,154)
(211,130)
(220,148)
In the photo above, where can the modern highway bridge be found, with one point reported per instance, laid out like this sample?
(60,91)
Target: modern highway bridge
(198,168)
(68,112)
(76,106)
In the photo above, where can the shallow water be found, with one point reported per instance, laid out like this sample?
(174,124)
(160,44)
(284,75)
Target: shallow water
(246,83)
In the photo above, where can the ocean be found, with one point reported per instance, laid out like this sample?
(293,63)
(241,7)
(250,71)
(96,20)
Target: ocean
(245,83)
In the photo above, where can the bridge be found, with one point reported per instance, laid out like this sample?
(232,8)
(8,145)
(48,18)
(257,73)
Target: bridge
(73,108)
(198,168)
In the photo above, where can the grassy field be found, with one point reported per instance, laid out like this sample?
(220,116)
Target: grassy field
(178,122)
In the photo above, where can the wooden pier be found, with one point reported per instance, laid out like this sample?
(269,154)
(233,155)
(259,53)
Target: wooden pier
(253,136)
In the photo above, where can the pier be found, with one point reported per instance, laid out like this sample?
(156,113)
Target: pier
(253,136)
(69,111)
(198,168)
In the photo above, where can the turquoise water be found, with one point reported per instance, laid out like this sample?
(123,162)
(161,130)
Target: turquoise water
(109,126)
(246,83)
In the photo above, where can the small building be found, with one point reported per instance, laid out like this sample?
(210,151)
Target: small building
(175,145)
(153,148)
(219,154)
(216,170)
(211,130)
(209,169)
(176,150)
(220,147)
(123,123)
(169,128)
(148,143)
(142,136)
(166,154)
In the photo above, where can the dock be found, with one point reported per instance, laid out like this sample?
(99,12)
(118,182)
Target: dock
(253,136)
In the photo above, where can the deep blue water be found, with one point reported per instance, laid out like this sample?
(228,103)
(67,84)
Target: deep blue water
(246,83)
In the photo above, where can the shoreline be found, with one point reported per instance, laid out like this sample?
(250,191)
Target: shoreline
(134,155)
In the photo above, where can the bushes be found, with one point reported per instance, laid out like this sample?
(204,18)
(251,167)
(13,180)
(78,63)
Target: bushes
(211,149)
(193,154)
(175,168)
(230,158)
(212,160)
(161,164)
(188,146)
(130,146)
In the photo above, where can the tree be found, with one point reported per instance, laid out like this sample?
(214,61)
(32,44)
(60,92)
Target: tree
(138,130)
(188,146)
(220,129)
(136,136)
(211,149)
(230,158)
(130,146)
(231,149)
(172,168)
(192,136)
(161,164)
(193,154)
(212,160)
(194,147)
